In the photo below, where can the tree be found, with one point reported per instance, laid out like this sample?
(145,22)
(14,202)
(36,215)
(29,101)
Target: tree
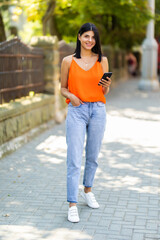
(4,18)
(2,29)
(157,19)
(42,11)
(120,22)
(3,6)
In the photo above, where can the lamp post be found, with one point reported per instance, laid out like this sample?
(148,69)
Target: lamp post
(149,78)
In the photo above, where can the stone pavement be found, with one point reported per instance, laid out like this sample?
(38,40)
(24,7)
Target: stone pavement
(33,179)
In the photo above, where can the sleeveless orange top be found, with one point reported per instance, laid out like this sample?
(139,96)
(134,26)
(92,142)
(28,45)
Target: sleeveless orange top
(84,84)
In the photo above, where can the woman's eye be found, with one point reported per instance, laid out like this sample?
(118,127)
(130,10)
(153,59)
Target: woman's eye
(87,36)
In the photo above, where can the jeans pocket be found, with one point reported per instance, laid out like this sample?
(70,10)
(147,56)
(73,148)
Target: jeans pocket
(75,106)
(100,104)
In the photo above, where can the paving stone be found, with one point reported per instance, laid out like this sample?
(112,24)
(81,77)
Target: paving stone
(126,231)
(109,210)
(119,214)
(129,218)
(138,236)
(100,236)
(152,236)
(115,227)
(95,219)
(104,222)
(151,226)
(153,213)
(140,222)
(88,231)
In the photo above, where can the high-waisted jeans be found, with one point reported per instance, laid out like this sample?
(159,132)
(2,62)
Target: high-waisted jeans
(88,118)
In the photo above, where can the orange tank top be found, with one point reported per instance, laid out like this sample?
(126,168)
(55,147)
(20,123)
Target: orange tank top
(84,84)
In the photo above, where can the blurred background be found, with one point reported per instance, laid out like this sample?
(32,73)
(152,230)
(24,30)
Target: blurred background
(121,23)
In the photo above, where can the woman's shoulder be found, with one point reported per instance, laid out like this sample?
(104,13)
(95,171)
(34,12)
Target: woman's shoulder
(68,59)
(104,64)
(104,59)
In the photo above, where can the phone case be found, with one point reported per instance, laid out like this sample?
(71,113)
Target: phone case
(105,75)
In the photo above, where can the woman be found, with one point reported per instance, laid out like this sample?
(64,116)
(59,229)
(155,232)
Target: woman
(80,75)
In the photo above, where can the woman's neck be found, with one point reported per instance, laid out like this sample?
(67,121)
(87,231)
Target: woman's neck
(86,53)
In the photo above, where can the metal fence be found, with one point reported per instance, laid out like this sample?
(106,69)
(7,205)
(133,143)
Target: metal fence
(21,70)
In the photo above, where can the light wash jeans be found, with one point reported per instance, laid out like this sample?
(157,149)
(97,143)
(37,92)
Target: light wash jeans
(88,118)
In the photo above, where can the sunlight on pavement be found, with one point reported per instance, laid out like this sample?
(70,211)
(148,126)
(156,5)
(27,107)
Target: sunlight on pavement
(52,143)
(133,131)
(52,150)
(146,189)
(135,114)
(53,160)
(15,232)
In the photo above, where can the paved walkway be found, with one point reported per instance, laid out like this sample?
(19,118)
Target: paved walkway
(33,189)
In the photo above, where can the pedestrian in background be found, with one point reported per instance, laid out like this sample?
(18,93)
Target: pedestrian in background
(132,64)
(80,75)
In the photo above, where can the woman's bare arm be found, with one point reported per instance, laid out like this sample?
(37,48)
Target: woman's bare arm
(105,84)
(64,77)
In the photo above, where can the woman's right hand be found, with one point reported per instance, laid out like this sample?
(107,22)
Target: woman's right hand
(75,100)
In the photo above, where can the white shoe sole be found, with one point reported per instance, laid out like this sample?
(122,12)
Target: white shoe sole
(73,221)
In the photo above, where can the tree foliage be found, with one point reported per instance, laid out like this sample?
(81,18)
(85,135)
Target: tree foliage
(120,22)
(157,19)
(3,7)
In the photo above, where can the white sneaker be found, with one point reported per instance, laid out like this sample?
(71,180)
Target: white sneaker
(73,214)
(90,199)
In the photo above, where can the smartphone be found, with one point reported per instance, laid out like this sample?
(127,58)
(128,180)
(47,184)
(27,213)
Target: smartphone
(105,75)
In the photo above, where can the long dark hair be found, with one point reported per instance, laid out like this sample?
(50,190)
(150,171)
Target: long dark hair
(97,48)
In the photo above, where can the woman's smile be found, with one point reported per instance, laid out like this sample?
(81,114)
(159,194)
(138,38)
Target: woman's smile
(89,44)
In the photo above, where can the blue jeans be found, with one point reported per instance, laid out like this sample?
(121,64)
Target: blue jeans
(88,118)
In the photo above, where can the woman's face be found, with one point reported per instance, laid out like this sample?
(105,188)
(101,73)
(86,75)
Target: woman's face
(87,40)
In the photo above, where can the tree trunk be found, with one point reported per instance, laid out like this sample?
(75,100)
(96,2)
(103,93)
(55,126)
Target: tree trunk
(2,29)
(53,28)
(48,15)
(114,22)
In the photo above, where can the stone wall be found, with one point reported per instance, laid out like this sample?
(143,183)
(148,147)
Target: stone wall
(51,61)
(18,117)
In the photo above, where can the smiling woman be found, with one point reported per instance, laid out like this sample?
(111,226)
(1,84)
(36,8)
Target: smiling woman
(80,75)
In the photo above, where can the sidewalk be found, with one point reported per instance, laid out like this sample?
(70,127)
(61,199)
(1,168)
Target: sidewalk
(127,184)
